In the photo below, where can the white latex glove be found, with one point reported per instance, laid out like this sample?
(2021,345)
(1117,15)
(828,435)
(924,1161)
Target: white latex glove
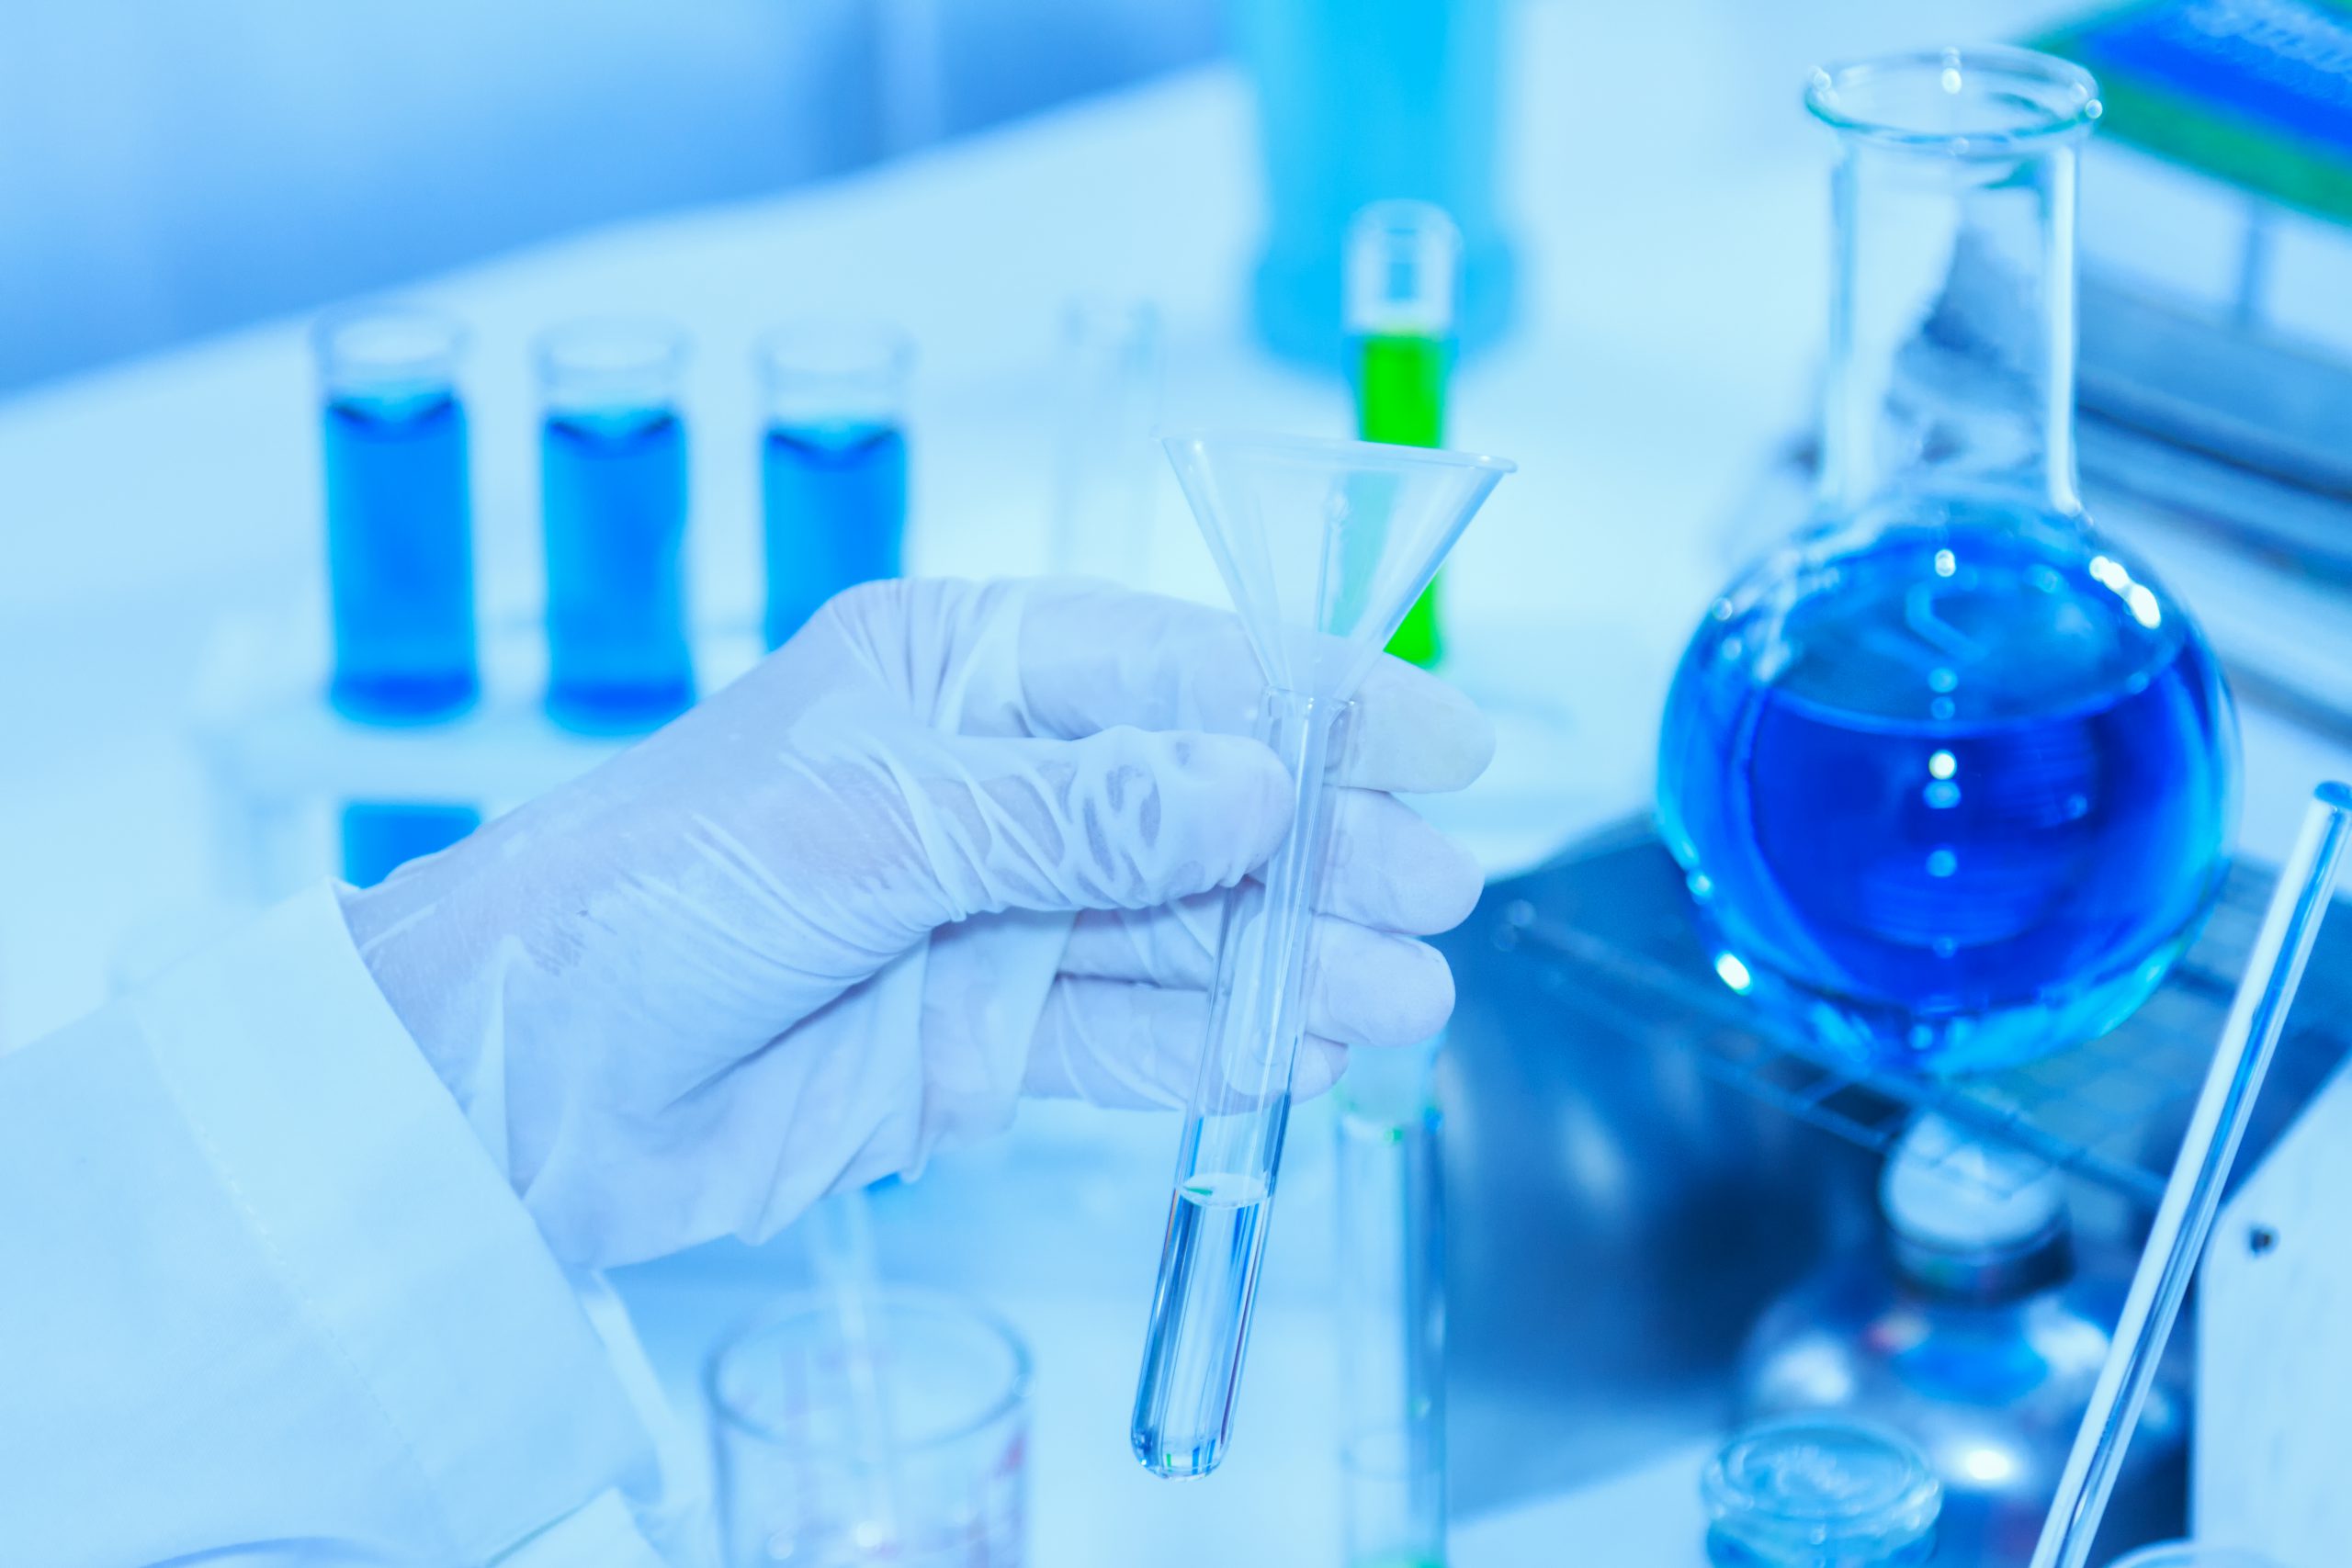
(953,841)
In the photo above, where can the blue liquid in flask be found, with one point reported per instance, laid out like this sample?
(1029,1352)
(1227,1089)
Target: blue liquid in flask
(400,557)
(615,504)
(1956,797)
(835,503)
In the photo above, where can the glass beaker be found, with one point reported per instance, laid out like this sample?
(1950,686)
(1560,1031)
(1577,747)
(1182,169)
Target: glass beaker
(613,504)
(802,1477)
(399,515)
(1953,779)
(833,464)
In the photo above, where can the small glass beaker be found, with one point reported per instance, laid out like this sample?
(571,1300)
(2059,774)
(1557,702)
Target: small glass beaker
(399,515)
(904,1443)
(612,503)
(1817,1492)
(832,464)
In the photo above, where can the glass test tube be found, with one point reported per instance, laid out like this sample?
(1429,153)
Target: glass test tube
(832,465)
(613,504)
(399,515)
(1233,1137)
(1402,262)
(1106,462)
(1392,1312)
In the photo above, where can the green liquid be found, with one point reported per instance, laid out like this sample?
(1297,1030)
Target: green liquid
(1400,400)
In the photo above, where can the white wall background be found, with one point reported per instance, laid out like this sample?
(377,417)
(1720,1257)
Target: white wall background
(172,167)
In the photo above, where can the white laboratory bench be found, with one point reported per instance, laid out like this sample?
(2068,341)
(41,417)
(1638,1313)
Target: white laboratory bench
(1669,200)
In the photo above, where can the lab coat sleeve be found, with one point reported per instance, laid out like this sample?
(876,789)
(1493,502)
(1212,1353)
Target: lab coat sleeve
(264,1297)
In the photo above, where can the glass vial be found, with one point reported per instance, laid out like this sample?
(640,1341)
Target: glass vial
(613,504)
(399,516)
(1392,1312)
(1404,259)
(1106,466)
(1819,1493)
(833,464)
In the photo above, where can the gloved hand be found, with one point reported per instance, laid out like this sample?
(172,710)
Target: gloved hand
(952,842)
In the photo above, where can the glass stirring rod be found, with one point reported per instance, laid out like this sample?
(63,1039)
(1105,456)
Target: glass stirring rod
(2193,1195)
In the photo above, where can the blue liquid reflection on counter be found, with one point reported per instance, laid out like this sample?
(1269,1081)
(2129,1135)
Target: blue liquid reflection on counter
(380,837)
(835,501)
(613,490)
(400,555)
(1954,797)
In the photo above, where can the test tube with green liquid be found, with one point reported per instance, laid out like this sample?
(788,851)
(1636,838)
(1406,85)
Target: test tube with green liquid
(1403,258)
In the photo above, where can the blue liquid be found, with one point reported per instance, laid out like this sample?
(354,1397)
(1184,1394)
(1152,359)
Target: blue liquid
(1950,818)
(835,512)
(1217,1234)
(613,503)
(378,838)
(399,558)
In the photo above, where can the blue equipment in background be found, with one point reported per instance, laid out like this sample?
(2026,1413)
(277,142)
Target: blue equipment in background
(1366,102)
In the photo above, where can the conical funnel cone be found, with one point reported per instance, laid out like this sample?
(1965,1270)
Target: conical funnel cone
(1325,545)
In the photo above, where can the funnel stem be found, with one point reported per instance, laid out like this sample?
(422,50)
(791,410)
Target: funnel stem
(1233,1133)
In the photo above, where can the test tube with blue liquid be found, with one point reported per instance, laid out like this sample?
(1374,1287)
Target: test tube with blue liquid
(381,836)
(399,516)
(612,498)
(833,464)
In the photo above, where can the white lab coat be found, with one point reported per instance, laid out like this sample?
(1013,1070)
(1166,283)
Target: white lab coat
(265,1299)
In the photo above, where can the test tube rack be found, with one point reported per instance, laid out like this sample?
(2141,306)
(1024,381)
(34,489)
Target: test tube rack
(279,763)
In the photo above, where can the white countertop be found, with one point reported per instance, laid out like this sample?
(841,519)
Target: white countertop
(1669,198)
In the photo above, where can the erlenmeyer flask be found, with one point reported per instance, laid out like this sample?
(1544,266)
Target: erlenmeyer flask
(1953,778)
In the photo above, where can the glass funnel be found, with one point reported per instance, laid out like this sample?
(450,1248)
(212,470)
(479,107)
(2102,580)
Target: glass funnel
(1323,546)
(1952,777)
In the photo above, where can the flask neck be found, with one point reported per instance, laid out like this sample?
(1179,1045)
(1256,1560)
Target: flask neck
(1951,365)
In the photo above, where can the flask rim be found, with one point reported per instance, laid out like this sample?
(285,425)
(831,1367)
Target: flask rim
(1987,102)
